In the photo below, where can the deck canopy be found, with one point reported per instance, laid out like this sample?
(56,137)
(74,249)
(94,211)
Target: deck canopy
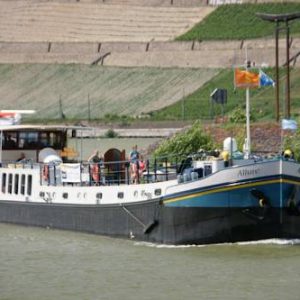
(42,127)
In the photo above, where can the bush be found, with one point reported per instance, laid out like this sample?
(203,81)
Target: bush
(110,133)
(238,115)
(185,143)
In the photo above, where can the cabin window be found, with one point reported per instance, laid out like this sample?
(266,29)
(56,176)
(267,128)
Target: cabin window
(120,195)
(157,192)
(10,140)
(3,182)
(16,185)
(98,198)
(10,180)
(29,185)
(33,139)
(29,140)
(65,195)
(56,140)
(44,139)
(23,177)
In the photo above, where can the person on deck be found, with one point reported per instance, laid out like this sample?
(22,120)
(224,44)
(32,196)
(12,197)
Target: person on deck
(22,157)
(95,161)
(134,165)
(95,157)
(225,155)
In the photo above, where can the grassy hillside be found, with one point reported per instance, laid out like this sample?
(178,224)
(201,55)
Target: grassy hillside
(238,21)
(115,91)
(198,104)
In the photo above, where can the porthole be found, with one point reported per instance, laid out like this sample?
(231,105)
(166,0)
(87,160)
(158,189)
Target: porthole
(157,192)
(65,195)
(120,195)
(99,195)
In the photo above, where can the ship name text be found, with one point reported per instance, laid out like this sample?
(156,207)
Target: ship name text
(248,172)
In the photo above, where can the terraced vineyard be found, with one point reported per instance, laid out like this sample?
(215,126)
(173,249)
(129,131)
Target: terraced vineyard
(26,21)
(122,91)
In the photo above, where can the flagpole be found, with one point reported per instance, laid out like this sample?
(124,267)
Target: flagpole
(248,137)
(246,79)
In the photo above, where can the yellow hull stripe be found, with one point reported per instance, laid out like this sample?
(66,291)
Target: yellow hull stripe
(230,188)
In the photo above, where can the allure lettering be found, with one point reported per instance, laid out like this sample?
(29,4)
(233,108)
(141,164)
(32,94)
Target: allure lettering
(248,172)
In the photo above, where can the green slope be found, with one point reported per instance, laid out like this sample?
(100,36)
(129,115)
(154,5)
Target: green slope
(198,104)
(117,91)
(238,21)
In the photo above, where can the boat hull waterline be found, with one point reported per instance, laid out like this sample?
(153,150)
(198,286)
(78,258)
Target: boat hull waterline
(251,208)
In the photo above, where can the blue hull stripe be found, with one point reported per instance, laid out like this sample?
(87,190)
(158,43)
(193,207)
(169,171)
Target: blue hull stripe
(236,194)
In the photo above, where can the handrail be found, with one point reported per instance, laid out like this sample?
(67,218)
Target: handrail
(108,172)
(112,172)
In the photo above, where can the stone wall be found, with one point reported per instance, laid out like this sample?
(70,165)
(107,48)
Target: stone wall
(206,54)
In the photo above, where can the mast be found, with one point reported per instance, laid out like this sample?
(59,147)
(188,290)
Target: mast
(248,136)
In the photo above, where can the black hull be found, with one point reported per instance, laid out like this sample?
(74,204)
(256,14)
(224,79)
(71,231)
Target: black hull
(153,222)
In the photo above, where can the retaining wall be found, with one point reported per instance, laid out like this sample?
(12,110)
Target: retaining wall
(210,54)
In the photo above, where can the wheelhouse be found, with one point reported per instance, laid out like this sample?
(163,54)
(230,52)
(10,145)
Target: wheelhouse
(31,139)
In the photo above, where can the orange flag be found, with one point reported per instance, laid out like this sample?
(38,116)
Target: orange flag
(245,79)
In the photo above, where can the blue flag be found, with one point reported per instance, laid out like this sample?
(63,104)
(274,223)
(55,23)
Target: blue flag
(288,124)
(265,80)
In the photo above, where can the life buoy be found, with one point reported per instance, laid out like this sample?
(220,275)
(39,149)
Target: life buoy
(46,172)
(142,165)
(142,168)
(95,172)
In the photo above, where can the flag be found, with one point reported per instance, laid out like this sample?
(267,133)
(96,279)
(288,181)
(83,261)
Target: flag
(265,80)
(245,79)
(288,124)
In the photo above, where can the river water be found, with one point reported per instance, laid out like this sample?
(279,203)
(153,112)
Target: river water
(38,263)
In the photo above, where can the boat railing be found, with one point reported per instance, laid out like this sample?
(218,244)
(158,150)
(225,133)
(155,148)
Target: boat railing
(25,164)
(117,172)
(108,172)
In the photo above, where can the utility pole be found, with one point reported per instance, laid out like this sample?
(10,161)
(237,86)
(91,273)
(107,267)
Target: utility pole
(283,19)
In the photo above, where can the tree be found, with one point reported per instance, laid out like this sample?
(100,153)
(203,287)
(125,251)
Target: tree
(186,142)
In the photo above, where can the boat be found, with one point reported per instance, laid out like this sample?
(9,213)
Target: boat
(201,200)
